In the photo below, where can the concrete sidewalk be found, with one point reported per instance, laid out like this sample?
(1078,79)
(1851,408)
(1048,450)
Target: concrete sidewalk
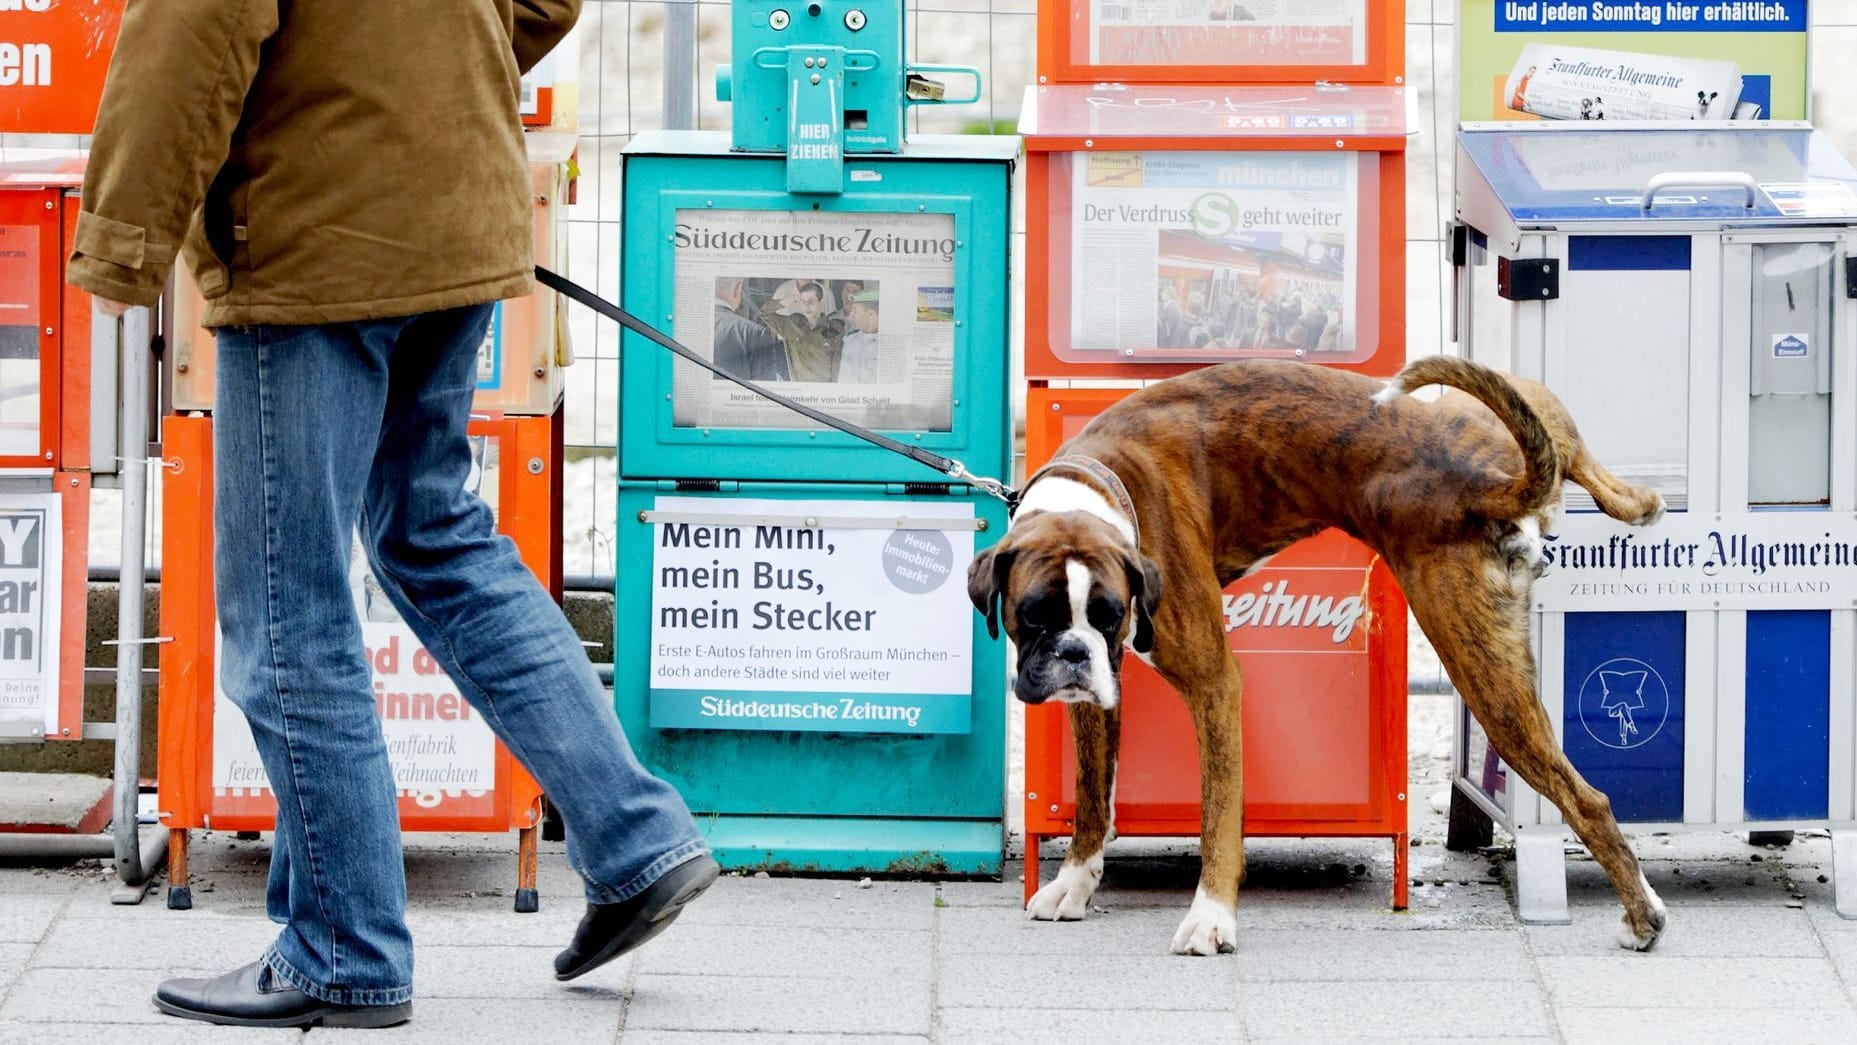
(1754,952)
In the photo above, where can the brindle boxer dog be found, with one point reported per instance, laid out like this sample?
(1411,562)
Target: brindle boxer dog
(1129,536)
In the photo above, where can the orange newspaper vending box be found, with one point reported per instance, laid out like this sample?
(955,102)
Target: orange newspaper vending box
(452,772)
(1211,183)
(45,446)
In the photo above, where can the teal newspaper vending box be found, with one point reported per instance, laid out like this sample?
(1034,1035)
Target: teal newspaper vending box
(794,647)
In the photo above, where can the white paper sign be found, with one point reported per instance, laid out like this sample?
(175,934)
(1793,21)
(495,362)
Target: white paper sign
(31,601)
(869,627)
(1795,560)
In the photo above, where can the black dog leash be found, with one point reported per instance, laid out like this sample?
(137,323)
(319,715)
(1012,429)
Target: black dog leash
(945,465)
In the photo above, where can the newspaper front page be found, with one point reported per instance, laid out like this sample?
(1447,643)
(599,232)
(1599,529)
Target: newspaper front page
(850,313)
(1558,82)
(1222,253)
(31,598)
(1228,32)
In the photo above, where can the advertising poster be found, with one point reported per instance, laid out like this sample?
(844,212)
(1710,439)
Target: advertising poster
(850,313)
(53,56)
(31,563)
(1227,32)
(769,623)
(20,289)
(1604,60)
(443,754)
(1220,252)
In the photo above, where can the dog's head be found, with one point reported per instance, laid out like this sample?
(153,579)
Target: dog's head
(1070,592)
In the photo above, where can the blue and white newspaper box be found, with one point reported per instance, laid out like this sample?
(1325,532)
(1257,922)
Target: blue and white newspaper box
(1689,294)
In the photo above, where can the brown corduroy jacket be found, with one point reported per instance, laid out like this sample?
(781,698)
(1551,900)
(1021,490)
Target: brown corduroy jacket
(320,161)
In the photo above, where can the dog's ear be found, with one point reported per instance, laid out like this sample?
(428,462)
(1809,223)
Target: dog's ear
(986,581)
(1144,589)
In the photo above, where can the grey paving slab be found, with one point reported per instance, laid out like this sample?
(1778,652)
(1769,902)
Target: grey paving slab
(489,971)
(172,1032)
(821,1006)
(1764,931)
(1433,1010)
(448,1021)
(13,958)
(1008,893)
(1676,982)
(1842,949)
(93,901)
(25,919)
(89,995)
(1826,920)
(1404,1039)
(1089,982)
(1007,931)
(1711,1026)
(648,1036)
(794,950)
(143,944)
(39,881)
(453,927)
(961,1026)
(1333,955)
(822,903)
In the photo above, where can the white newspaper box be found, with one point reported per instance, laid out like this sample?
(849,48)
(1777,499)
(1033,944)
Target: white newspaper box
(1689,294)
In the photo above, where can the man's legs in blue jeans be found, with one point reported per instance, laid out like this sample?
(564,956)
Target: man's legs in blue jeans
(495,630)
(319,428)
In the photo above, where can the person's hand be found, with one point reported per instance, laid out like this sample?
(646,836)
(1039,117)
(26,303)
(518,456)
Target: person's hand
(113,309)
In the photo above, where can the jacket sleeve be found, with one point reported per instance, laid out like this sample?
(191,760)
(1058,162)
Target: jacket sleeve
(540,25)
(171,101)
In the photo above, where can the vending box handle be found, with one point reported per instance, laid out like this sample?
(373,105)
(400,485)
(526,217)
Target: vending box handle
(1700,180)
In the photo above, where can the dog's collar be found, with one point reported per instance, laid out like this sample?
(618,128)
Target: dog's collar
(1103,474)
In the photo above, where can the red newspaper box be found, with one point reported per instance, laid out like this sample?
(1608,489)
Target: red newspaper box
(209,773)
(45,441)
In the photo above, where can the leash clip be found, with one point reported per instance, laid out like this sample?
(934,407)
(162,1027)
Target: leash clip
(990,487)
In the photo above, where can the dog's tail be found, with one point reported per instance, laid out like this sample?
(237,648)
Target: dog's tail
(1540,477)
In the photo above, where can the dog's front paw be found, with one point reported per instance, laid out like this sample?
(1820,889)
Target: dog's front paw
(1209,927)
(1068,898)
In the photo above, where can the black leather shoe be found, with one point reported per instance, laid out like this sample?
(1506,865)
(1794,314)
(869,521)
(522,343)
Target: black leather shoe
(253,996)
(609,930)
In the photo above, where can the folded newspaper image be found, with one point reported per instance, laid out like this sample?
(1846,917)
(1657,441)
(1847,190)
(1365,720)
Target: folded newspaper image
(1557,82)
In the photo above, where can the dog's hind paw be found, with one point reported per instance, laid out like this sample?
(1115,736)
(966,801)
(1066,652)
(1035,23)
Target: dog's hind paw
(1650,518)
(1645,936)
(1068,898)
(1209,927)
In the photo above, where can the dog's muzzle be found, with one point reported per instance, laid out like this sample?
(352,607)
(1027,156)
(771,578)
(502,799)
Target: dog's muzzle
(1066,671)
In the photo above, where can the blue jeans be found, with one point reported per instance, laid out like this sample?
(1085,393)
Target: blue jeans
(318,430)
